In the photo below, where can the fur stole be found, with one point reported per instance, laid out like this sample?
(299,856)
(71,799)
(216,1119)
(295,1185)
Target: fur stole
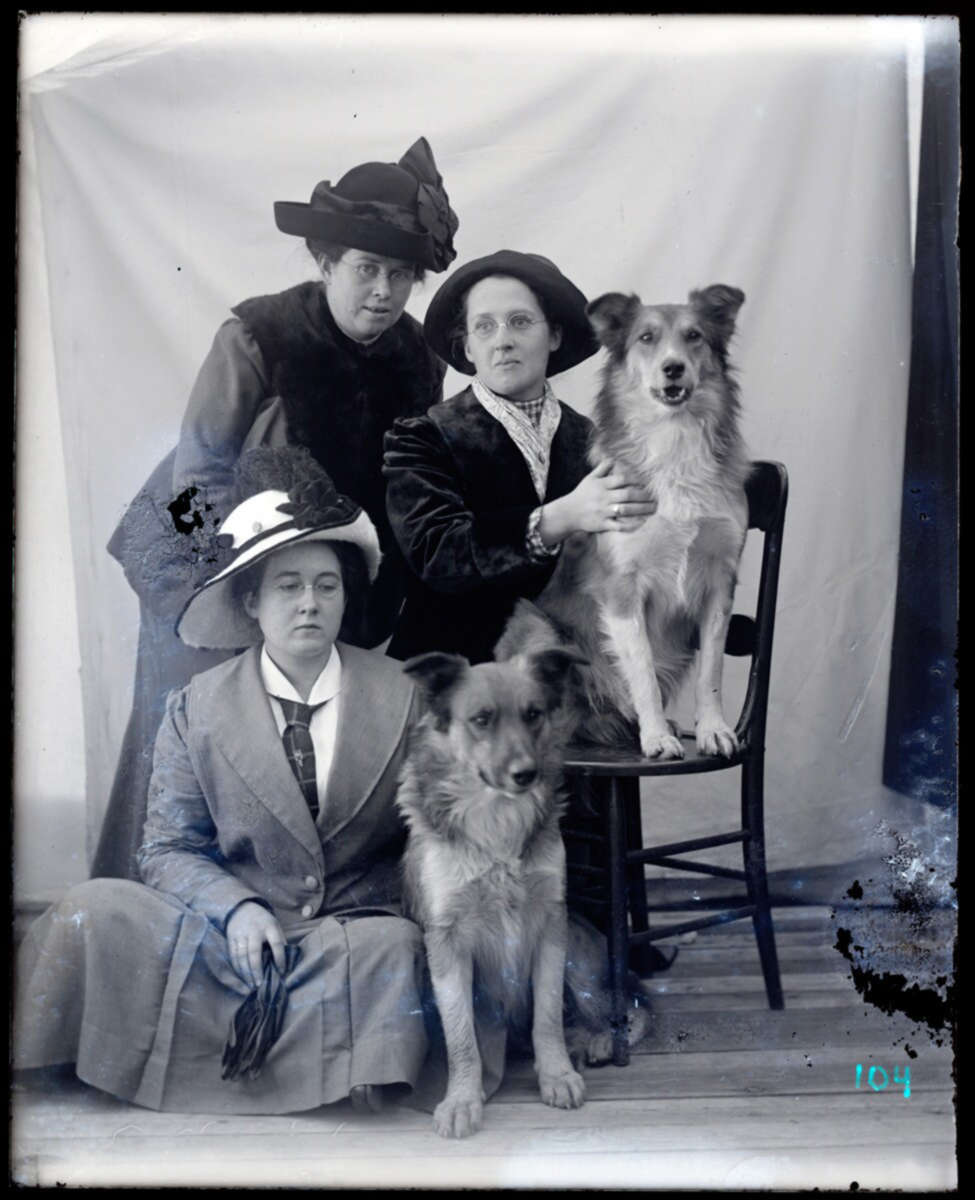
(341,397)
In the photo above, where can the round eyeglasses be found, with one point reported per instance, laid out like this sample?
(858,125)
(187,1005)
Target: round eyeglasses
(371,271)
(517,323)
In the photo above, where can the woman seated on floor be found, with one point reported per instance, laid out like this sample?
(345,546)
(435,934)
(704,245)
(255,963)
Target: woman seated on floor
(271,849)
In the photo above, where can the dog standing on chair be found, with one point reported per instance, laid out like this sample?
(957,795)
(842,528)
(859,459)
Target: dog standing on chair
(636,602)
(484,871)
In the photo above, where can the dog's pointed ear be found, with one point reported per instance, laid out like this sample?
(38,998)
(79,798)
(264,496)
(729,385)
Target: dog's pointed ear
(552,667)
(436,675)
(718,307)
(610,316)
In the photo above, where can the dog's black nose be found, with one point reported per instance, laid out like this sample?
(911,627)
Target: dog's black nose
(673,369)
(524,778)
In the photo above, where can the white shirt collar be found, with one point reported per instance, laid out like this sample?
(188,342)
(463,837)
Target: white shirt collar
(326,687)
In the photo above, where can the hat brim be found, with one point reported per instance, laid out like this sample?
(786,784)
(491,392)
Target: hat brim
(213,620)
(301,220)
(565,301)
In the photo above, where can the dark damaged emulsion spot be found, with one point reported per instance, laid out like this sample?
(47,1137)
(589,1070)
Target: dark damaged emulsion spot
(186,515)
(891,993)
(900,931)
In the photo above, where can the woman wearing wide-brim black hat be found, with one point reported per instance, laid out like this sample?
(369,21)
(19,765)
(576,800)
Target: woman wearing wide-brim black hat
(482,490)
(328,364)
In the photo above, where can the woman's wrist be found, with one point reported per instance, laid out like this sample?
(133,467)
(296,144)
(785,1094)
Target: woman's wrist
(243,903)
(554,525)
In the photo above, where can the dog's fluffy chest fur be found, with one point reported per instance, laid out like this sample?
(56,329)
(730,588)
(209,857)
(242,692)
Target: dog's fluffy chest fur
(490,893)
(700,522)
(508,862)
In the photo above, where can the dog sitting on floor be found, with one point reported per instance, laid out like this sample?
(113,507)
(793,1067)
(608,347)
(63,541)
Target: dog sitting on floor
(484,875)
(636,603)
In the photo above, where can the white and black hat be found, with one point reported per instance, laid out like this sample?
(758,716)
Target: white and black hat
(307,508)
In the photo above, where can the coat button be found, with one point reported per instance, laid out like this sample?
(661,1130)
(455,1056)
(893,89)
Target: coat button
(310,881)
(307,910)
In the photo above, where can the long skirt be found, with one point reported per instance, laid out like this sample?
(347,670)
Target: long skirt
(137,991)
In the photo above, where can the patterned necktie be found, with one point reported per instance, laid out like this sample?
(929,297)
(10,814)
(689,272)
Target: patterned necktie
(299,748)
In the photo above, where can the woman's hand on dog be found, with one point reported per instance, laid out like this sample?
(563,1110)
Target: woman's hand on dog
(605,501)
(249,927)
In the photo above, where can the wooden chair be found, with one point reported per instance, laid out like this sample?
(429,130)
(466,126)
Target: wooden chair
(612,780)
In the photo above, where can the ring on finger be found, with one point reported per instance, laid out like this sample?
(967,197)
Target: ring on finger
(616,512)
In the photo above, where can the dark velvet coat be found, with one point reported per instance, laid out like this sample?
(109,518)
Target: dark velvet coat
(459,495)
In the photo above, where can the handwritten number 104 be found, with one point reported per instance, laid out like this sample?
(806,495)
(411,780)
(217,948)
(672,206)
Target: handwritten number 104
(878,1079)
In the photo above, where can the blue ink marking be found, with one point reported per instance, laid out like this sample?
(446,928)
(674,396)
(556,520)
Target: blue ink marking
(876,1071)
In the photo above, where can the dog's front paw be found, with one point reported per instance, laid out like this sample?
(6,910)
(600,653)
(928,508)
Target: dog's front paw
(657,744)
(458,1116)
(716,738)
(565,1090)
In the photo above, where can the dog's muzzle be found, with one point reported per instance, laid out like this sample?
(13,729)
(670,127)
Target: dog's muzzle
(517,781)
(673,394)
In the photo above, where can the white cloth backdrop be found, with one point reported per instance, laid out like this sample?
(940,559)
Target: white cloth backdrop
(653,155)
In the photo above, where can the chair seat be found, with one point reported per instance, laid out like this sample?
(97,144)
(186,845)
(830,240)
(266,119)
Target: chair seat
(612,760)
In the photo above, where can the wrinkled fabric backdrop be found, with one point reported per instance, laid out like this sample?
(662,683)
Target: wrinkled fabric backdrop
(652,155)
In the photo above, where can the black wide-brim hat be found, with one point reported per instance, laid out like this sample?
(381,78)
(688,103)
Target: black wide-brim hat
(399,210)
(565,304)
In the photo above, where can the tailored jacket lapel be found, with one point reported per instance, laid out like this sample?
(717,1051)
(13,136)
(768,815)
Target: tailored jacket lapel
(243,729)
(370,726)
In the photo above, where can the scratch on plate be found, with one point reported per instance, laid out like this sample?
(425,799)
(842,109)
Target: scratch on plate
(125,1129)
(860,700)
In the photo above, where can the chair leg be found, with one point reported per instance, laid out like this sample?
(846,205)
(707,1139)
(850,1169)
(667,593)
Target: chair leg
(752,793)
(618,935)
(644,959)
(636,880)
(585,815)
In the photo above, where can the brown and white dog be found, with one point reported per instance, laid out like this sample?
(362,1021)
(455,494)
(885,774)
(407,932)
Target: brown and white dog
(484,874)
(636,602)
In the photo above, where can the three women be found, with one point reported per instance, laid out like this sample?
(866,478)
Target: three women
(271,843)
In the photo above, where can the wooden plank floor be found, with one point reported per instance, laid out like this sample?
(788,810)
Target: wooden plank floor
(723,1094)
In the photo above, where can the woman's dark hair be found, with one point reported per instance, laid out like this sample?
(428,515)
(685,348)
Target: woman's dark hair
(458,324)
(333,252)
(355,585)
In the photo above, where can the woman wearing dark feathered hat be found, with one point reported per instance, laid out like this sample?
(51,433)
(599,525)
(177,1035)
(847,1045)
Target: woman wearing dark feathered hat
(264,966)
(483,489)
(329,365)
